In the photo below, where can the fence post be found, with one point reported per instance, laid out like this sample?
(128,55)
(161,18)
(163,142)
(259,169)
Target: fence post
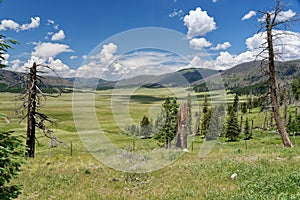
(71,149)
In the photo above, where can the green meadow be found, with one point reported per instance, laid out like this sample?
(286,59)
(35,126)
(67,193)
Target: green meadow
(264,168)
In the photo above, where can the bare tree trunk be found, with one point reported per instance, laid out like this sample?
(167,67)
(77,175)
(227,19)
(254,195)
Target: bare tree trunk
(272,81)
(285,108)
(197,124)
(265,120)
(30,142)
(241,124)
(271,120)
(182,122)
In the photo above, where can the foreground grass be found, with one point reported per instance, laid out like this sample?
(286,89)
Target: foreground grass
(265,171)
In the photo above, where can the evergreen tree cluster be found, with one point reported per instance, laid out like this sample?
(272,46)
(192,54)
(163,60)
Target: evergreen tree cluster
(145,129)
(163,128)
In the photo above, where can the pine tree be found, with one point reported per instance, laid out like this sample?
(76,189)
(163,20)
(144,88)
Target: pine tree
(214,128)
(12,156)
(145,127)
(247,131)
(249,104)
(244,108)
(293,125)
(168,132)
(11,147)
(290,127)
(232,130)
(205,105)
(5,45)
(296,88)
(236,103)
(205,121)
(197,123)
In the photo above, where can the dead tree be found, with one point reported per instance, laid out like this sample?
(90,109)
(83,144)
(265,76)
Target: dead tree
(241,124)
(197,124)
(30,141)
(286,104)
(182,127)
(31,98)
(270,23)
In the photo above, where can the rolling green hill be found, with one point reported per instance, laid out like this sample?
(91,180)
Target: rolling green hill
(252,76)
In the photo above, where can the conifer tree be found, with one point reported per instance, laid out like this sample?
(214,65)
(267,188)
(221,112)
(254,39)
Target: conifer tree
(236,103)
(205,121)
(296,88)
(168,131)
(232,130)
(244,108)
(12,151)
(214,128)
(247,131)
(11,147)
(145,127)
(205,105)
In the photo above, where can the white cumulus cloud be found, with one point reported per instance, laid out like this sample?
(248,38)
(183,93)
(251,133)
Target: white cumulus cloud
(60,68)
(109,65)
(108,50)
(285,15)
(286,47)
(10,24)
(35,22)
(282,16)
(98,63)
(198,23)
(286,44)
(47,49)
(57,66)
(222,46)
(199,43)
(149,62)
(250,14)
(60,35)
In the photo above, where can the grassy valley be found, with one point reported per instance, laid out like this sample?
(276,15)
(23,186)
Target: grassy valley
(265,169)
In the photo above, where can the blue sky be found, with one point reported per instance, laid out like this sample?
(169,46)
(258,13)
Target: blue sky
(62,33)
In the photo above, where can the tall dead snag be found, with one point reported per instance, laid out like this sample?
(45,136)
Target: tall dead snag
(271,21)
(272,81)
(197,124)
(182,127)
(31,98)
(30,142)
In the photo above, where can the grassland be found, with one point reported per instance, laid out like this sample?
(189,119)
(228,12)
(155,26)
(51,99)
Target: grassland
(265,169)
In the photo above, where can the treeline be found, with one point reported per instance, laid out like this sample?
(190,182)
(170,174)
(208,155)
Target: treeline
(48,89)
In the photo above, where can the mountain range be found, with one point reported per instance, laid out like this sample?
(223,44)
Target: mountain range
(245,75)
